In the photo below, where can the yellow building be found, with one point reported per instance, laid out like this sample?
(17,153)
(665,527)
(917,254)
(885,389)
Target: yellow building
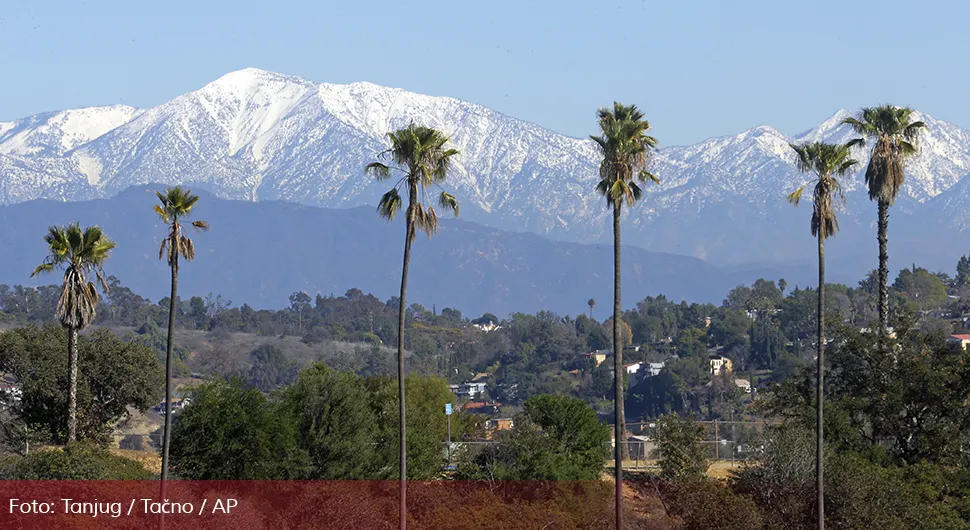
(717,363)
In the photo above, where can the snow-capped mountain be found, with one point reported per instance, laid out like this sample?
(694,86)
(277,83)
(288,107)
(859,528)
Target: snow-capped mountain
(258,135)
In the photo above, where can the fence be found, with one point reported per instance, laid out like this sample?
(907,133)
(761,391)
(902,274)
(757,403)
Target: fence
(726,441)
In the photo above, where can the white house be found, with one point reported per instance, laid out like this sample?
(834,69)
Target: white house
(468,390)
(486,327)
(743,384)
(633,372)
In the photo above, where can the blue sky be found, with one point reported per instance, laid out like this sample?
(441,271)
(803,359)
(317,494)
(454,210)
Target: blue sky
(699,68)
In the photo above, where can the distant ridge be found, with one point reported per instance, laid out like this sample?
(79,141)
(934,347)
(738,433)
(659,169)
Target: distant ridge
(255,135)
(260,253)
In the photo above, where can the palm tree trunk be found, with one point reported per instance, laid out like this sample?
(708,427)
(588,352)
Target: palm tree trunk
(618,451)
(403,485)
(71,384)
(883,303)
(168,369)
(819,389)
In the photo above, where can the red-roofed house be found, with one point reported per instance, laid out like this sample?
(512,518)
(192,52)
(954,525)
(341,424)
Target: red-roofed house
(959,340)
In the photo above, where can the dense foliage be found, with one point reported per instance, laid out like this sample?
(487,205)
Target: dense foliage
(113,375)
(555,438)
(76,461)
(327,425)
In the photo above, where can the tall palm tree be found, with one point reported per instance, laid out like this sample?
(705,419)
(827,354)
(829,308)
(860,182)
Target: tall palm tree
(81,254)
(420,156)
(176,205)
(591,303)
(894,134)
(827,162)
(626,149)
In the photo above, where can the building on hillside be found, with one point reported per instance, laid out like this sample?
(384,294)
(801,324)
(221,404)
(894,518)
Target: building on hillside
(177,405)
(488,408)
(497,425)
(707,322)
(959,340)
(890,332)
(469,390)
(718,363)
(743,384)
(598,356)
(637,372)
(633,373)
(487,326)
(10,393)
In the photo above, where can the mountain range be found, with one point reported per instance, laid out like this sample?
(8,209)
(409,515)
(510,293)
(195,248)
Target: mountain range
(254,135)
(261,252)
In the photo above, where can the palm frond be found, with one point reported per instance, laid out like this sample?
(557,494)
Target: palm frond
(449,202)
(378,170)
(42,269)
(201,225)
(646,176)
(856,142)
(390,204)
(161,213)
(186,248)
(796,196)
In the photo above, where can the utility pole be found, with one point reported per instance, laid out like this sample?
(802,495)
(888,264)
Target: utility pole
(717,451)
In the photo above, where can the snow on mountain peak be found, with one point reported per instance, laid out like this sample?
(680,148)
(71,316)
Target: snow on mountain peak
(55,133)
(248,103)
(254,134)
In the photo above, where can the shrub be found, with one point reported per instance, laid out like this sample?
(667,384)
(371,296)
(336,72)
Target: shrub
(77,461)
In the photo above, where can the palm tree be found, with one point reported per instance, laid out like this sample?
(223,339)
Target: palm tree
(81,253)
(626,149)
(176,204)
(827,162)
(894,134)
(591,303)
(420,155)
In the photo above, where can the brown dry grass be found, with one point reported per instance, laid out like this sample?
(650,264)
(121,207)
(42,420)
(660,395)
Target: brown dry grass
(150,460)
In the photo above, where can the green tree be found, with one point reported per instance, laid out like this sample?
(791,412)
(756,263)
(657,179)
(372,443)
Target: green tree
(230,432)
(963,272)
(904,404)
(591,303)
(691,342)
(113,375)
(894,135)
(827,162)
(270,369)
(626,148)
(299,304)
(426,399)
(176,205)
(682,455)
(555,438)
(925,291)
(81,254)
(336,424)
(421,156)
